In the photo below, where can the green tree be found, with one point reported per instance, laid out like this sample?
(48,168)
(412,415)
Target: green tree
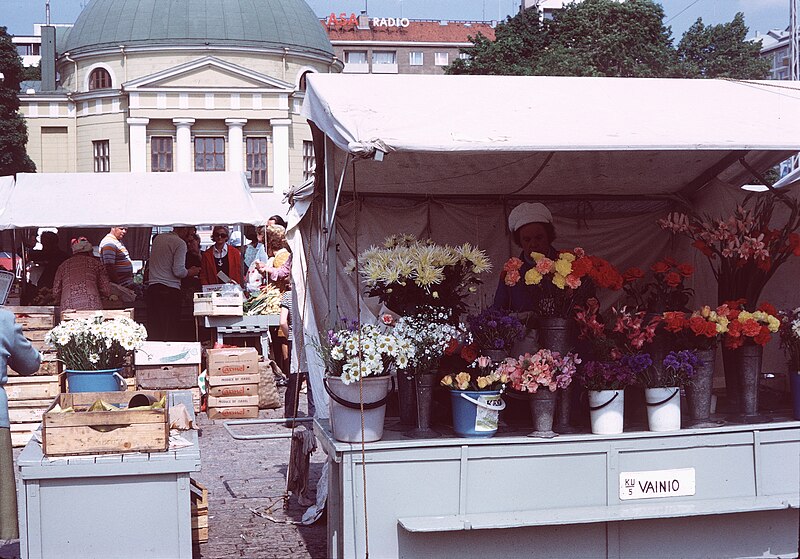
(13,131)
(32,73)
(720,51)
(591,38)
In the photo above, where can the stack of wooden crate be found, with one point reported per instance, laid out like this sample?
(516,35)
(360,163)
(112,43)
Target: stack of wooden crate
(233,378)
(30,396)
(169,366)
(199,496)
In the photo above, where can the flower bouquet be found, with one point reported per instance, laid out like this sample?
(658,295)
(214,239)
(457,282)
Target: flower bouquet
(700,329)
(95,344)
(756,327)
(476,398)
(746,249)
(626,333)
(407,274)
(665,292)
(94,351)
(540,375)
(561,279)
(358,359)
(495,330)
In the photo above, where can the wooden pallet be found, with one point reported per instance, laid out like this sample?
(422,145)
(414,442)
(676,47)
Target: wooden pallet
(36,322)
(70,314)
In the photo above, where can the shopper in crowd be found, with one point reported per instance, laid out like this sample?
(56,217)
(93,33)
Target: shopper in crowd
(191,284)
(278,267)
(166,269)
(277,220)
(296,379)
(15,352)
(50,258)
(221,257)
(81,281)
(255,249)
(116,258)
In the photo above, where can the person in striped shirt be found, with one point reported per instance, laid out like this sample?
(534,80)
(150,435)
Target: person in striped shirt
(116,259)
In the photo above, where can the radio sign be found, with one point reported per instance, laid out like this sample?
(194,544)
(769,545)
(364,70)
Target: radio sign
(343,20)
(390,22)
(656,483)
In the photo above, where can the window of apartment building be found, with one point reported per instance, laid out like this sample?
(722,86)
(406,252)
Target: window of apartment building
(257,161)
(355,57)
(441,58)
(309,162)
(384,57)
(99,79)
(415,58)
(29,50)
(209,154)
(100,153)
(161,154)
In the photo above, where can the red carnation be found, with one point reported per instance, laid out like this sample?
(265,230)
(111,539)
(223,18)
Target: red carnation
(660,267)
(632,274)
(751,328)
(674,321)
(673,279)
(582,266)
(768,308)
(697,325)
(686,270)
(452,346)
(469,353)
(794,243)
(763,336)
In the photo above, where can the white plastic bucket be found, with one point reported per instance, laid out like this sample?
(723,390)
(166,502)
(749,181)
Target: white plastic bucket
(663,408)
(605,410)
(346,413)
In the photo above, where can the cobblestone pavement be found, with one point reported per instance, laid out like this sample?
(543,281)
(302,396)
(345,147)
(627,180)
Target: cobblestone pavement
(240,476)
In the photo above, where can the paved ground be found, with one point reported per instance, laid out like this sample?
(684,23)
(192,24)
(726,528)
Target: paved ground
(245,475)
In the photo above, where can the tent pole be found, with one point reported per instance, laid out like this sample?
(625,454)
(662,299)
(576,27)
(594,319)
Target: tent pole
(330,212)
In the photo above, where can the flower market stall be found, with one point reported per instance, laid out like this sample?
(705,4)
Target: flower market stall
(447,162)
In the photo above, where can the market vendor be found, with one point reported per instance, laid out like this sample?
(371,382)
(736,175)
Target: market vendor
(531,225)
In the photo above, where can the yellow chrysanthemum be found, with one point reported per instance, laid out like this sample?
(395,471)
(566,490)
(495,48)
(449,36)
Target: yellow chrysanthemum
(568,256)
(559,281)
(773,323)
(537,256)
(532,277)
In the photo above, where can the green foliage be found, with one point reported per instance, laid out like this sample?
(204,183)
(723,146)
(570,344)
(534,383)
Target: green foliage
(720,51)
(13,131)
(610,38)
(32,73)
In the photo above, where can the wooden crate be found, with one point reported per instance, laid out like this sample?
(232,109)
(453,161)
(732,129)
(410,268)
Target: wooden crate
(21,433)
(27,411)
(36,322)
(199,499)
(168,365)
(34,387)
(214,303)
(69,314)
(101,432)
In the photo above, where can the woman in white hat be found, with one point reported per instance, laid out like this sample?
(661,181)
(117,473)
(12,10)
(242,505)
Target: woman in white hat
(531,225)
(81,280)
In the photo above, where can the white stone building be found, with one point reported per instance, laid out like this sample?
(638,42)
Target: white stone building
(167,86)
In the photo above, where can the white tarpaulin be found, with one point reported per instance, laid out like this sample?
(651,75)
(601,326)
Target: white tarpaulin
(131,199)
(610,156)
(538,136)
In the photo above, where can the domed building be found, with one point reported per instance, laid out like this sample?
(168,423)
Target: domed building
(177,85)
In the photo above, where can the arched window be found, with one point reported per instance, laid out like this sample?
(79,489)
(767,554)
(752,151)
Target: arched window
(99,79)
(302,84)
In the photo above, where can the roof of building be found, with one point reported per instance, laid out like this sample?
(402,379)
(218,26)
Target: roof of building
(254,23)
(417,31)
(772,38)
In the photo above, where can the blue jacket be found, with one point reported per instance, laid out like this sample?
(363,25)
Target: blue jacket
(15,352)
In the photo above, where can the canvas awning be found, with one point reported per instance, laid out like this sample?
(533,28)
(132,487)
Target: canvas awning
(131,199)
(553,136)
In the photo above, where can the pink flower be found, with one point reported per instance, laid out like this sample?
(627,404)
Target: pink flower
(512,277)
(544,266)
(387,319)
(573,282)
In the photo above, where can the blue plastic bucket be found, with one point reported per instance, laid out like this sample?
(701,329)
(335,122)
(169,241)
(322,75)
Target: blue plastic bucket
(475,413)
(106,380)
(794,380)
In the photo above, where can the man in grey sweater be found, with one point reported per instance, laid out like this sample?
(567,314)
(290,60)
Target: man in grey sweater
(166,269)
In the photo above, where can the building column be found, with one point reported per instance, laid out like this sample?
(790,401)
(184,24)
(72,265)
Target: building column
(183,147)
(137,144)
(280,152)
(235,143)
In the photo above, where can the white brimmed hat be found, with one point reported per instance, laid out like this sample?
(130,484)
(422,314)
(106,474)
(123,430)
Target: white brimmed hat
(528,212)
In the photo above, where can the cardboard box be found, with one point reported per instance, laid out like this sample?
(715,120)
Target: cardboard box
(233,390)
(232,401)
(232,361)
(168,365)
(99,432)
(239,412)
(233,380)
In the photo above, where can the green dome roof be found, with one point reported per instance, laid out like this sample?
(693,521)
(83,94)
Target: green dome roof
(249,23)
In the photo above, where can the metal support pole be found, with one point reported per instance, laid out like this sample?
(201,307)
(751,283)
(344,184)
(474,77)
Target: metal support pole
(330,230)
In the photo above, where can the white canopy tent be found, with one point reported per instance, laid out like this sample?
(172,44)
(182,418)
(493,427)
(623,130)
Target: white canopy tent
(448,156)
(131,199)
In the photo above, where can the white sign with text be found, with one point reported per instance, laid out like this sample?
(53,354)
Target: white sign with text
(656,483)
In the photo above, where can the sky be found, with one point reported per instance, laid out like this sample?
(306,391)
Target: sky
(760,15)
